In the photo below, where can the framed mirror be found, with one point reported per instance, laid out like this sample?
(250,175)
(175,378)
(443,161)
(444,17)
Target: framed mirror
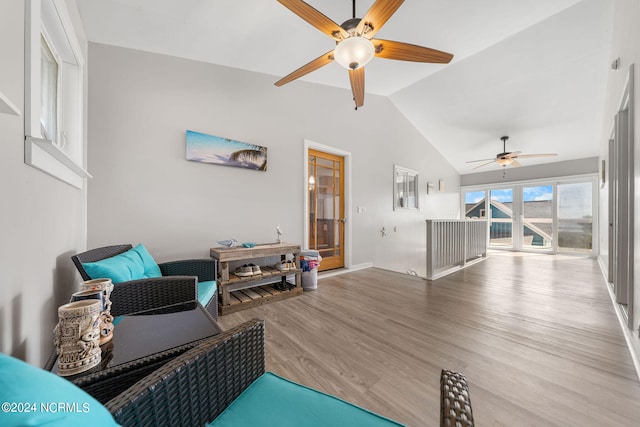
(405,189)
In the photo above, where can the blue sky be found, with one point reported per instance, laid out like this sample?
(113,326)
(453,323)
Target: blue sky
(473,196)
(537,193)
(528,193)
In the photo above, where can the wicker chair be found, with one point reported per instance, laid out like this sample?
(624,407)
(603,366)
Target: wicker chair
(195,387)
(177,285)
(455,404)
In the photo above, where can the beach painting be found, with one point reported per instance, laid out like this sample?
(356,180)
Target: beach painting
(223,151)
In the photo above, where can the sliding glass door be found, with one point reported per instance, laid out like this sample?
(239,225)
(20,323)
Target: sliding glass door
(501,218)
(575,217)
(537,217)
(554,216)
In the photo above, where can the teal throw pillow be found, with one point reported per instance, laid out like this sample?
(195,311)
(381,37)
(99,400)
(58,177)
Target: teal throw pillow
(134,264)
(31,396)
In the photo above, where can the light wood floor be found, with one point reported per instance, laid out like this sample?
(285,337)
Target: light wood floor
(536,336)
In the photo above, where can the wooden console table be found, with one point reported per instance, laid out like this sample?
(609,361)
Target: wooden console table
(243,292)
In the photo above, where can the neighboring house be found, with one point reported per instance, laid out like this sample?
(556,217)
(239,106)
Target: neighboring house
(575,233)
(535,234)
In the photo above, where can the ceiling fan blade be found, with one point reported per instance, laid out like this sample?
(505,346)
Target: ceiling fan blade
(409,52)
(320,61)
(356,77)
(515,163)
(484,164)
(524,156)
(377,16)
(481,160)
(315,18)
(512,154)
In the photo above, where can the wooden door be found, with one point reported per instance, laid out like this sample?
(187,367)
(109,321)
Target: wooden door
(326,208)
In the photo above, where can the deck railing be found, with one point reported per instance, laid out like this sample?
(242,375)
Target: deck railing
(453,244)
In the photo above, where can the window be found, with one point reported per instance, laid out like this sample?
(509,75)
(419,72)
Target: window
(48,92)
(501,221)
(54,92)
(575,217)
(474,205)
(538,215)
(405,188)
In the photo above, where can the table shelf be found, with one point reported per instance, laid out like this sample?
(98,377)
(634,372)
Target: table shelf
(266,273)
(255,296)
(237,293)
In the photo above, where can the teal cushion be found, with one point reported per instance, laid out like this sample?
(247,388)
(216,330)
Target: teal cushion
(31,396)
(206,291)
(274,401)
(134,264)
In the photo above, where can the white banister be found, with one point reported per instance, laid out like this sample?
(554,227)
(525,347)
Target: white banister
(453,244)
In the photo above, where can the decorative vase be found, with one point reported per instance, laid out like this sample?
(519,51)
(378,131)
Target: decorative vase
(77,336)
(97,295)
(106,286)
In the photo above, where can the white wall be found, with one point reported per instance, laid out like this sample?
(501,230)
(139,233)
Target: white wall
(42,220)
(140,105)
(626,46)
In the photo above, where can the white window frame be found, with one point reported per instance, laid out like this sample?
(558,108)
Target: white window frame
(517,202)
(61,156)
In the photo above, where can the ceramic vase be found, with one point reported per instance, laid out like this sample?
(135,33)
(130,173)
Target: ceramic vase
(77,336)
(106,286)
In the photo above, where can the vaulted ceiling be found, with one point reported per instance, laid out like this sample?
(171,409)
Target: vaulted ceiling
(535,70)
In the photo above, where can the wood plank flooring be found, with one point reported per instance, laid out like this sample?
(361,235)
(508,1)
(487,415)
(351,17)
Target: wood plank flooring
(535,335)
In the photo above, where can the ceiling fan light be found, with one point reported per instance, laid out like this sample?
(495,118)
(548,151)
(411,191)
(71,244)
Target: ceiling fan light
(504,161)
(354,52)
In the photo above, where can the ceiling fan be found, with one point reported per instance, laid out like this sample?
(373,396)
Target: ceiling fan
(355,45)
(508,158)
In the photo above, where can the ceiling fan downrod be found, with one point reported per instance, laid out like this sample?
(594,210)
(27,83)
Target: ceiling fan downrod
(504,143)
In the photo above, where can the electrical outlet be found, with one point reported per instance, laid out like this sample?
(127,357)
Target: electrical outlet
(362,209)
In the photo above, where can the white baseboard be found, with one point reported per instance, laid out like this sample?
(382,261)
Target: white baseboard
(633,342)
(351,269)
(361,266)
(603,268)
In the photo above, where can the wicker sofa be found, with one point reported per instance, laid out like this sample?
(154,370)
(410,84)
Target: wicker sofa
(179,282)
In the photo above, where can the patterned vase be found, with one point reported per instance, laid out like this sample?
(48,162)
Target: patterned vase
(106,286)
(77,336)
